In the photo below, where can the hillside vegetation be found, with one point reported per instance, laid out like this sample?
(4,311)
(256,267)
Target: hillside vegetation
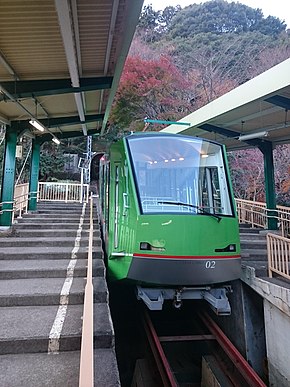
(182,59)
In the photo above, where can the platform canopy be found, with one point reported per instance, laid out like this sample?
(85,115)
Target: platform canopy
(258,109)
(61,61)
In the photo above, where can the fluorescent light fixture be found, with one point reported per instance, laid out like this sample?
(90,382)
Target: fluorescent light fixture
(252,136)
(56,140)
(37,125)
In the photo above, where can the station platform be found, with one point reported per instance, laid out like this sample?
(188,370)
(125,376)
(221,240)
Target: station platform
(43,263)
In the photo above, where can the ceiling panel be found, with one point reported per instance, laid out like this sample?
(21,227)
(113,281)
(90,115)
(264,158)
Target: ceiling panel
(63,39)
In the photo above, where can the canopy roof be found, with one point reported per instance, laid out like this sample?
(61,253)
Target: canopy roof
(258,106)
(61,61)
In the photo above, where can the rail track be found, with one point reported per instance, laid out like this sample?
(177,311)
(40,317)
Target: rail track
(192,352)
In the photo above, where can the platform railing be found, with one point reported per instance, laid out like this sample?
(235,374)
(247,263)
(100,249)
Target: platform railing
(278,246)
(47,191)
(86,378)
(253,213)
(21,198)
(278,249)
(67,192)
(257,214)
(19,205)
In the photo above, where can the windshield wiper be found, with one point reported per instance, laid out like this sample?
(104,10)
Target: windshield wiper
(202,210)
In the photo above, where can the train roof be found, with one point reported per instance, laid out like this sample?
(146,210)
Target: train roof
(164,134)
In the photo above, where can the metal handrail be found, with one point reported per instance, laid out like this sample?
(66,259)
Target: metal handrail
(278,249)
(278,246)
(86,378)
(67,192)
(19,203)
(257,214)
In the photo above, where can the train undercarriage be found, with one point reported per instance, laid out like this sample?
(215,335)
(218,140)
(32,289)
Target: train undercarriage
(216,297)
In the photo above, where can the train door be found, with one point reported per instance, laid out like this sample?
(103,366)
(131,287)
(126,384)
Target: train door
(104,170)
(116,204)
(120,206)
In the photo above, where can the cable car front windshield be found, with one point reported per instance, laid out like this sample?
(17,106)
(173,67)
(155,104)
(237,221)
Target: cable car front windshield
(180,174)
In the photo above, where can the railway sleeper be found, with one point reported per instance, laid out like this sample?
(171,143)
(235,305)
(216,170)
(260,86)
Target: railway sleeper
(216,297)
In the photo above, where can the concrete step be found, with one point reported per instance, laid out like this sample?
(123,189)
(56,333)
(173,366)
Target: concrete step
(47,241)
(38,291)
(26,328)
(255,254)
(51,268)
(60,205)
(249,230)
(49,225)
(52,214)
(43,219)
(255,236)
(55,252)
(35,233)
(46,291)
(61,370)
(33,268)
(253,244)
(40,369)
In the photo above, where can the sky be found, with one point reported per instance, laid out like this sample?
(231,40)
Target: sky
(278,8)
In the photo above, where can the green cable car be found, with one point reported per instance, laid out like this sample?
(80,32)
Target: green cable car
(169,218)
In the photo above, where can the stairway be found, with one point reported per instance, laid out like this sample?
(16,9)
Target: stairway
(42,279)
(254,249)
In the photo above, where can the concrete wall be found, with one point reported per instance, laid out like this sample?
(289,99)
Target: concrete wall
(276,302)
(277,327)
(245,326)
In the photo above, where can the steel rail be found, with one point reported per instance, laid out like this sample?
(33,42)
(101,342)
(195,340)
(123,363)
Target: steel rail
(86,378)
(238,360)
(165,371)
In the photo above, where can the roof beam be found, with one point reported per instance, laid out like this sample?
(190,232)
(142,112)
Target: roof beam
(280,101)
(229,133)
(62,136)
(37,88)
(131,17)
(219,130)
(60,121)
(66,27)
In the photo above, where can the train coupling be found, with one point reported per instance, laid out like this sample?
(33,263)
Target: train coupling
(216,297)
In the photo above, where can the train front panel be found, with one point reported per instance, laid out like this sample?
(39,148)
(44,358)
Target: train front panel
(172,216)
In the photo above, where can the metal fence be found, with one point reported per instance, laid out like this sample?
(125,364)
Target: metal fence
(278,246)
(21,196)
(278,255)
(256,214)
(67,192)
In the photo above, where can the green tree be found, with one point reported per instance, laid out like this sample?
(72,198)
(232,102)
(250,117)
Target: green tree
(220,17)
(51,161)
(154,24)
(150,88)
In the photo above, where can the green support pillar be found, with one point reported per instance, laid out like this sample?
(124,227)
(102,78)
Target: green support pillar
(8,177)
(34,172)
(267,149)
